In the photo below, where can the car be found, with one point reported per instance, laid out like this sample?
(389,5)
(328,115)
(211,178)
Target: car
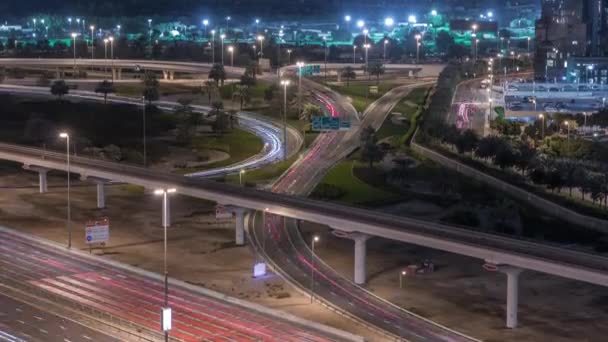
(560,105)
(595,87)
(541,88)
(512,88)
(529,99)
(583,88)
(516,107)
(554,89)
(550,108)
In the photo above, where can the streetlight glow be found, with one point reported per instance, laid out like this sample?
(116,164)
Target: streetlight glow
(347,18)
(389,22)
(360,23)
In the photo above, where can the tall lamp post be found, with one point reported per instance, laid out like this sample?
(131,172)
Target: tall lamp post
(325,43)
(111,39)
(285,83)
(212,46)
(222,37)
(143,106)
(92,42)
(67,157)
(401,275)
(385,44)
(542,129)
(165,193)
(300,71)
(418,37)
(74,46)
(354,54)
(261,39)
(288,56)
(366,46)
(315,239)
(231,50)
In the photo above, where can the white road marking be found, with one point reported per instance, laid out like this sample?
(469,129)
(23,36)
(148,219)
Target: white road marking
(87,337)
(39,318)
(62,327)
(43,331)
(18,309)
(20,321)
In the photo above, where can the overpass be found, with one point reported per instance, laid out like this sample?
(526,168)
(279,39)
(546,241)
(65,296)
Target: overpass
(509,254)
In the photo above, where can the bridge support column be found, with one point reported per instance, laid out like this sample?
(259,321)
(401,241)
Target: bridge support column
(171,75)
(113,74)
(239,214)
(101,191)
(58,74)
(360,258)
(119,74)
(512,294)
(165,75)
(42,181)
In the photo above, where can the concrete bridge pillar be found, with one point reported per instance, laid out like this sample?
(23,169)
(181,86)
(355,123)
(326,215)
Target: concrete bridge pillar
(58,74)
(360,258)
(101,191)
(113,74)
(119,74)
(512,294)
(165,75)
(239,214)
(42,177)
(360,271)
(171,75)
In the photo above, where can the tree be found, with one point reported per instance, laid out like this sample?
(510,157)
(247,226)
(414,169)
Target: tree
(466,141)
(376,69)
(525,155)
(505,156)
(150,80)
(209,87)
(487,147)
(221,121)
(349,74)
(243,92)
(218,74)
(252,69)
(151,94)
(566,170)
(269,92)
(247,80)
(370,151)
(444,41)
(581,180)
(105,88)
(185,103)
(59,88)
(310,110)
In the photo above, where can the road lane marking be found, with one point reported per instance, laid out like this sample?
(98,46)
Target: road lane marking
(20,321)
(87,337)
(39,318)
(43,331)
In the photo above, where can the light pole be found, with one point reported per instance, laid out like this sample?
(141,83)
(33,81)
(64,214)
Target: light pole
(241,174)
(165,193)
(542,129)
(112,55)
(366,46)
(143,106)
(231,50)
(288,56)
(285,83)
(67,156)
(315,239)
(418,48)
(74,45)
(300,71)
(476,44)
(92,42)
(150,33)
(325,43)
(222,37)
(385,44)
(212,46)
(205,24)
(261,39)
(365,32)
(354,54)
(529,46)
(401,275)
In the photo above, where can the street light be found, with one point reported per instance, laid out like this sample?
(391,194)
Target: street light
(241,174)
(354,54)
(385,44)
(222,37)
(67,156)
(476,44)
(300,66)
(366,46)
(325,43)
(92,42)
(112,55)
(205,24)
(360,23)
(261,39)
(212,46)
(389,22)
(401,275)
(315,239)
(165,193)
(542,118)
(285,83)
(365,33)
(231,50)
(74,45)
(529,46)
(418,37)
(288,56)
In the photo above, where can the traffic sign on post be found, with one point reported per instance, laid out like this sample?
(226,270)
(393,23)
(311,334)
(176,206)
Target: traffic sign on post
(325,123)
(97,232)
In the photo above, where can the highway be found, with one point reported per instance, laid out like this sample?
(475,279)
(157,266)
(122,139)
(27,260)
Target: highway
(283,246)
(53,272)
(269,131)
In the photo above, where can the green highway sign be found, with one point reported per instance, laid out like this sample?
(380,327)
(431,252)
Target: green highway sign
(325,123)
(309,70)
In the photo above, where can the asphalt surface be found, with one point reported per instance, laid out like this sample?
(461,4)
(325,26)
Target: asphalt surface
(283,245)
(34,267)
(23,322)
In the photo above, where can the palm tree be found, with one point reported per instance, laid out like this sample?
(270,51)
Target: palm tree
(220,123)
(59,88)
(376,69)
(105,88)
(349,74)
(218,74)
(244,94)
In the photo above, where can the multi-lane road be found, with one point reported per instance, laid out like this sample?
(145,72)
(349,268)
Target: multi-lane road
(53,272)
(281,243)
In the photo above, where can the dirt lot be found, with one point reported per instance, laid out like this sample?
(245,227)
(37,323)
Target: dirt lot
(200,249)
